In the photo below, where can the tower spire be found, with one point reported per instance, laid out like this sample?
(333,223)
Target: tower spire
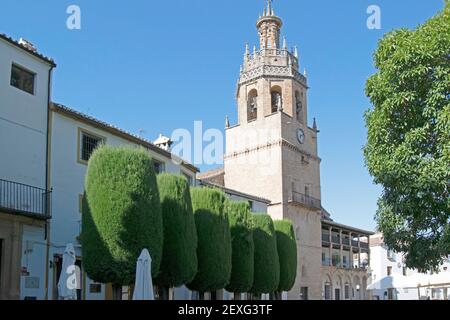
(269,7)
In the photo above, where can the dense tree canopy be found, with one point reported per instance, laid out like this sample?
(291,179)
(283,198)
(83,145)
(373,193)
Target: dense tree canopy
(179,260)
(243,249)
(214,240)
(121,215)
(287,252)
(408,147)
(267,264)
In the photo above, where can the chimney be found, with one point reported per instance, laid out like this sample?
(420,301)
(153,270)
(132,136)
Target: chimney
(163,142)
(27,44)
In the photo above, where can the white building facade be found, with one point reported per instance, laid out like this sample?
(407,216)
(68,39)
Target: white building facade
(25,208)
(392,280)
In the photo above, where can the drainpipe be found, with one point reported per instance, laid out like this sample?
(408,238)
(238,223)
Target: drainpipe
(47,178)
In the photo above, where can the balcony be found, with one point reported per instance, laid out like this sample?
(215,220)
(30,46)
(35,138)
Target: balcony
(21,199)
(364,245)
(336,239)
(304,200)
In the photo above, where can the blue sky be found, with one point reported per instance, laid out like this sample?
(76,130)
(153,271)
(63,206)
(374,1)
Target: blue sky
(160,65)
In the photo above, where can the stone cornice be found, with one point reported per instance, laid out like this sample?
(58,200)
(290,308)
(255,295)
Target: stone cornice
(269,145)
(271,71)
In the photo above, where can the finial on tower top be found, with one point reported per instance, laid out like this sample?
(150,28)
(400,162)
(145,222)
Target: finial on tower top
(269,7)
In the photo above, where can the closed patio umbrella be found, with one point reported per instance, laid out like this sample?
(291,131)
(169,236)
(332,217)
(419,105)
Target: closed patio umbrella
(68,280)
(143,289)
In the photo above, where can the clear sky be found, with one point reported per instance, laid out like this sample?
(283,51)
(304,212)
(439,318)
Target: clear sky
(160,65)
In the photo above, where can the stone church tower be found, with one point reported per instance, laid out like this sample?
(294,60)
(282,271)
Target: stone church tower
(272,152)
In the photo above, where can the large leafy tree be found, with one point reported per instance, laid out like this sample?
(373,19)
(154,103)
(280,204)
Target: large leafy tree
(121,215)
(179,260)
(408,147)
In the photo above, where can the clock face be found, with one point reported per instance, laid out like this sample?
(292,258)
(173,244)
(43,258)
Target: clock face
(301,136)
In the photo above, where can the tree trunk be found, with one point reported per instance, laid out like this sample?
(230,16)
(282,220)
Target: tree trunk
(117,292)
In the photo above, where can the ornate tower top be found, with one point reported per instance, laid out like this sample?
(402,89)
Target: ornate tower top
(271,59)
(269,26)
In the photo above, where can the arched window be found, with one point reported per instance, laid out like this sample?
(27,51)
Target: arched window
(277,99)
(252,105)
(299,107)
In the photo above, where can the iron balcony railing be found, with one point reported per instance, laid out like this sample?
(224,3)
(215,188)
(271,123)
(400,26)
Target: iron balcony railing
(22,199)
(305,200)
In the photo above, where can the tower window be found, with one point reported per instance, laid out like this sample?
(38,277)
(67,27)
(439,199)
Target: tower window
(277,99)
(299,107)
(252,105)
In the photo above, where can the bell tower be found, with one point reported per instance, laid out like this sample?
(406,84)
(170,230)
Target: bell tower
(272,152)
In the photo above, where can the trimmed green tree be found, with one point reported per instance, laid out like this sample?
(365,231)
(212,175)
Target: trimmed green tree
(179,260)
(287,253)
(214,240)
(243,249)
(408,144)
(267,265)
(121,215)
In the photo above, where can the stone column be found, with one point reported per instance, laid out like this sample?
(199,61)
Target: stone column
(340,249)
(330,257)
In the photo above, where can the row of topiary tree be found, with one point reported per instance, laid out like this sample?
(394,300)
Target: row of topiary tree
(196,236)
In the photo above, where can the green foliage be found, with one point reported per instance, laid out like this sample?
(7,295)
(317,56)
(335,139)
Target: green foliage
(179,260)
(214,240)
(287,253)
(267,265)
(121,215)
(408,147)
(243,249)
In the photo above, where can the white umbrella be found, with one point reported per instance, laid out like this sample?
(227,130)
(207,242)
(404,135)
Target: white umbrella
(143,289)
(68,280)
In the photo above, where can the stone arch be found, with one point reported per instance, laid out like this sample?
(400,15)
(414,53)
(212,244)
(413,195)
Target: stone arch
(276,94)
(252,105)
(337,286)
(347,287)
(327,287)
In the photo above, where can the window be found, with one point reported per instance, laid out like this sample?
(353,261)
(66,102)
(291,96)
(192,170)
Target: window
(390,294)
(158,166)
(277,99)
(87,144)
(299,107)
(250,204)
(188,178)
(252,105)
(347,291)
(304,293)
(327,291)
(22,79)
(389,271)
(405,271)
